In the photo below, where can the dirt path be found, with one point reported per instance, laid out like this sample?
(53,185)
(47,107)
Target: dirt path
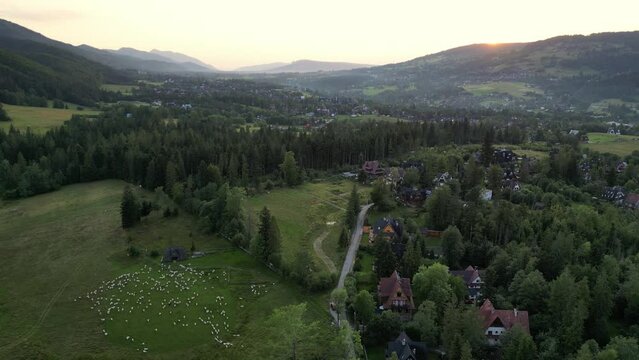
(40,321)
(317,246)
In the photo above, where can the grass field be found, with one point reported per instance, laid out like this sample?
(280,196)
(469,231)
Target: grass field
(304,213)
(515,89)
(359,118)
(68,288)
(376,90)
(123,89)
(621,145)
(601,107)
(39,119)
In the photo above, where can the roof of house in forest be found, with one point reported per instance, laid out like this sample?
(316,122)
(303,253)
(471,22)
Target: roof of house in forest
(406,348)
(507,318)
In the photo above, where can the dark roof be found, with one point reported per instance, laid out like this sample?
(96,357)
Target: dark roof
(468,275)
(175,254)
(406,349)
(381,224)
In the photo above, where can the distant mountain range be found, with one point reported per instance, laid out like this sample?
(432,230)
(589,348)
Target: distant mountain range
(124,58)
(301,66)
(597,73)
(563,73)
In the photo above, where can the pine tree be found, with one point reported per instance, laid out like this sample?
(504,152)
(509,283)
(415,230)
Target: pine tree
(352,210)
(290,171)
(487,148)
(343,237)
(129,209)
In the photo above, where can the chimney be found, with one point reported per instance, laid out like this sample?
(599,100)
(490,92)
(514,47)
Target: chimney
(515,311)
(403,341)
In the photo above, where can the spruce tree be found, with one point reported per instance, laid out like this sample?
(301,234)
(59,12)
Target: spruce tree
(129,208)
(352,210)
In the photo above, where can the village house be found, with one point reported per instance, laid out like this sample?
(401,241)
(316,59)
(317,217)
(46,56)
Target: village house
(632,201)
(472,278)
(406,349)
(512,185)
(497,322)
(621,166)
(504,156)
(394,293)
(615,194)
(387,229)
(412,196)
(442,179)
(373,169)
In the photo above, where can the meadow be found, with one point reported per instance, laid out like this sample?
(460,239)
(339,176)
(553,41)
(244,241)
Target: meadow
(303,214)
(68,286)
(515,89)
(621,145)
(39,119)
(123,89)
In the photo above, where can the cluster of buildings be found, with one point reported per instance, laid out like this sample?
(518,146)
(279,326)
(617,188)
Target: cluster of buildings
(620,197)
(394,293)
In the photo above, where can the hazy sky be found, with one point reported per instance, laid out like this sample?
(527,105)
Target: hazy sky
(233,33)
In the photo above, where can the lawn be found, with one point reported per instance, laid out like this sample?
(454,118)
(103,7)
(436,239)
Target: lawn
(123,89)
(515,89)
(69,288)
(621,145)
(39,119)
(303,214)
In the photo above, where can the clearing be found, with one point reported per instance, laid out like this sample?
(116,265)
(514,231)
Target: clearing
(515,89)
(123,89)
(39,119)
(69,288)
(303,214)
(621,145)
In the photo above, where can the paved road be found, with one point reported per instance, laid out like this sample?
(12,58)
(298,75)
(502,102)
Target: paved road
(349,261)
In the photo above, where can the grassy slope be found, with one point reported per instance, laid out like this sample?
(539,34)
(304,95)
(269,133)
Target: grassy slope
(124,89)
(302,214)
(39,119)
(71,241)
(515,89)
(615,144)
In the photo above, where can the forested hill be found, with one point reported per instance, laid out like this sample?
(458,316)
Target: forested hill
(31,72)
(125,59)
(565,72)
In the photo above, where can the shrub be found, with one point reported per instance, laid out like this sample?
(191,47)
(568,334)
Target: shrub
(154,254)
(132,251)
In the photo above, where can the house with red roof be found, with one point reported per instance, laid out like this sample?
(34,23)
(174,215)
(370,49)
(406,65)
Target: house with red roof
(497,322)
(472,278)
(632,201)
(394,293)
(373,169)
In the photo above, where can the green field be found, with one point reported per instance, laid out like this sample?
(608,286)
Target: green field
(601,107)
(39,119)
(68,288)
(621,145)
(376,90)
(123,89)
(515,89)
(359,118)
(303,214)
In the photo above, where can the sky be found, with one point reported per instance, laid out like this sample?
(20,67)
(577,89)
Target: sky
(232,33)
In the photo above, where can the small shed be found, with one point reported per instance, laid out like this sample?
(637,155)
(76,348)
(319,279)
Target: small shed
(174,254)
